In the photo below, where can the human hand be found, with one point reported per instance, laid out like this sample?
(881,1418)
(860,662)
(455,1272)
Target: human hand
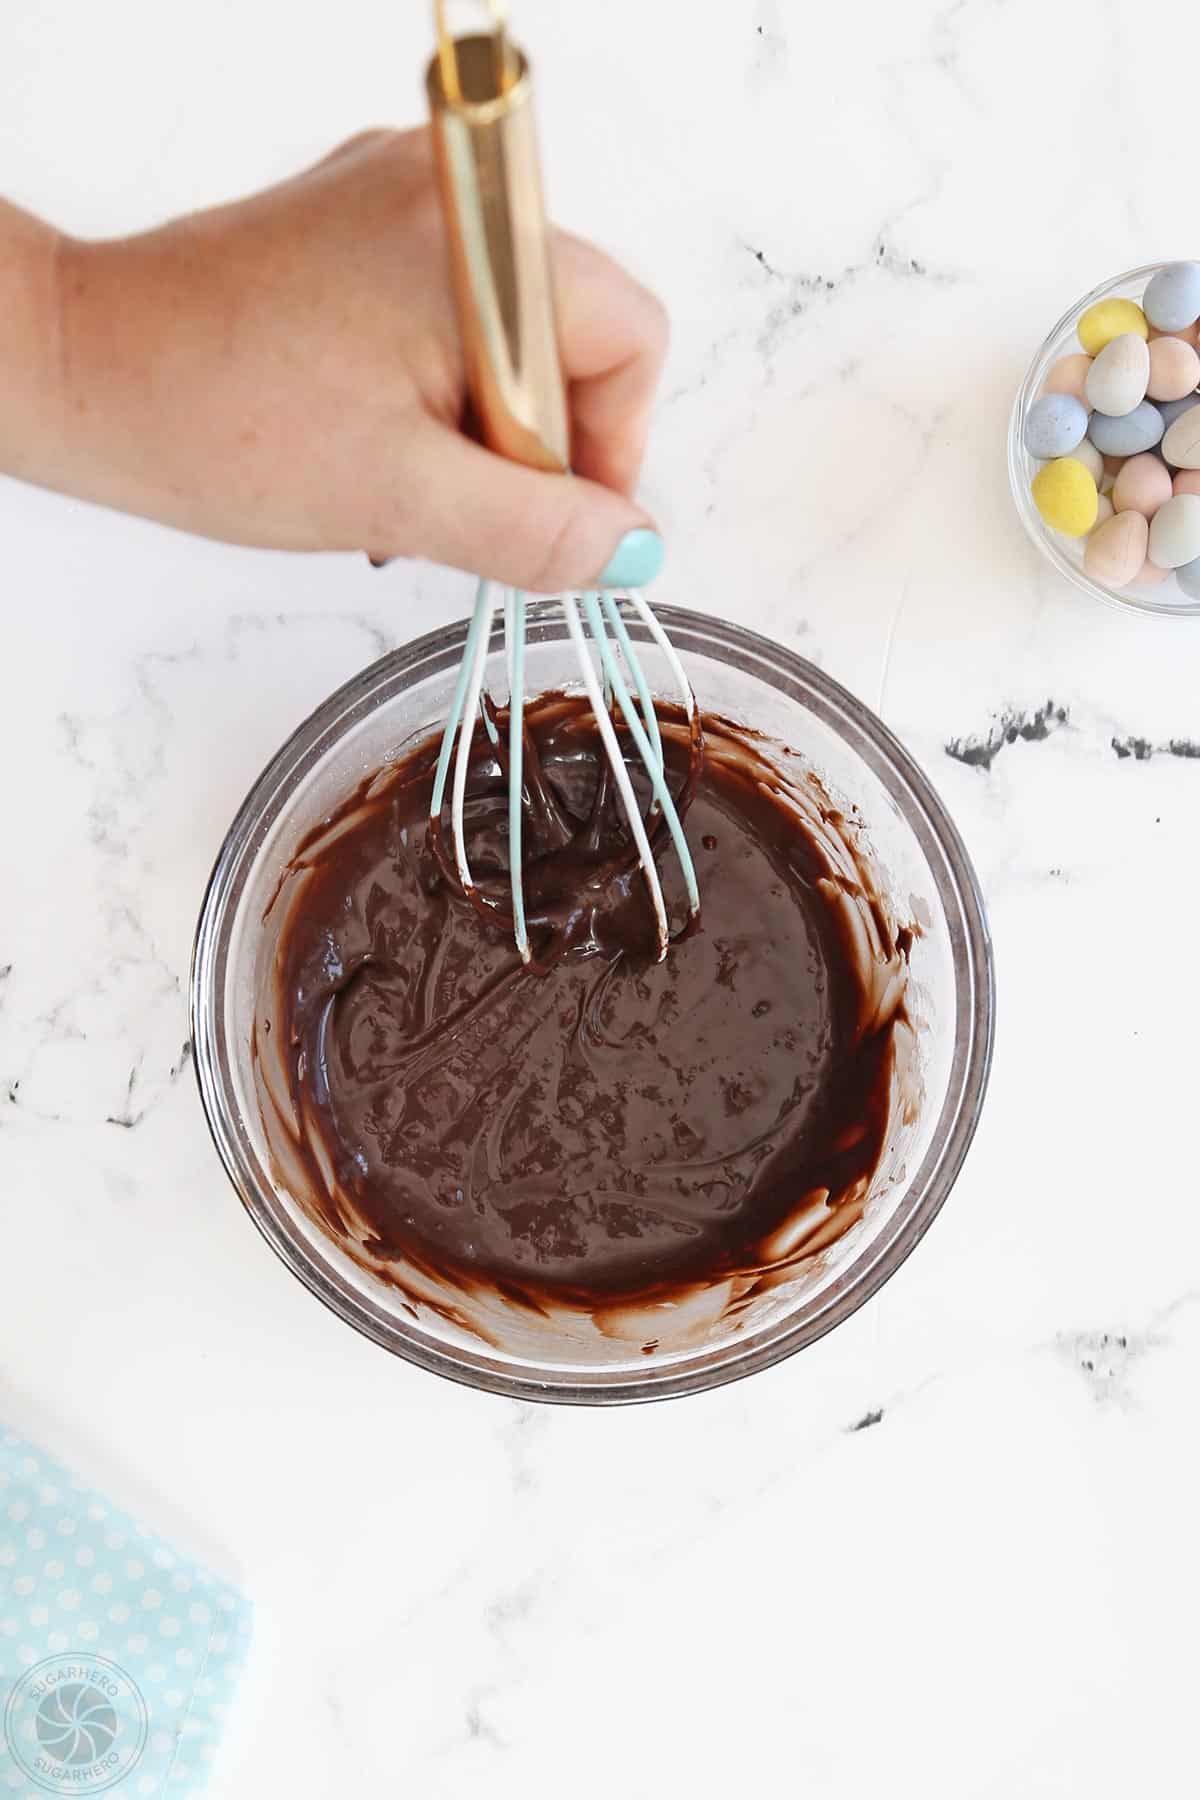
(285,371)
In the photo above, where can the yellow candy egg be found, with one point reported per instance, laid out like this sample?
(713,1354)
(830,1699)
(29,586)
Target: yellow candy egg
(1064,492)
(1108,319)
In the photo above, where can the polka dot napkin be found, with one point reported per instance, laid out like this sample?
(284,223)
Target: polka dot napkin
(118,1659)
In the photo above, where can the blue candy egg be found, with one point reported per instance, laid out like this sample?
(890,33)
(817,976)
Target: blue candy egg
(1054,426)
(1188,578)
(1172,297)
(1129,434)
(1171,409)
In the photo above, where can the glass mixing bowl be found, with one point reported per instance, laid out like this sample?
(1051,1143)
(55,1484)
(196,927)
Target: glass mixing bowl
(1167,599)
(927,877)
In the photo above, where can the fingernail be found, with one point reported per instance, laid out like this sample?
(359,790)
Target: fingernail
(635,561)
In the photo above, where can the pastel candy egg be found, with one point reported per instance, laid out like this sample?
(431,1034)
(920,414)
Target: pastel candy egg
(1087,453)
(1181,445)
(1065,495)
(1116,550)
(1174,370)
(1068,375)
(1116,381)
(1172,297)
(1189,335)
(1143,485)
(1187,481)
(1149,575)
(1104,511)
(1130,433)
(1188,577)
(1175,532)
(1106,320)
(1054,425)
(1171,409)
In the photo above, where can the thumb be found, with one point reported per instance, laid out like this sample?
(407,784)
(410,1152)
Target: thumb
(543,533)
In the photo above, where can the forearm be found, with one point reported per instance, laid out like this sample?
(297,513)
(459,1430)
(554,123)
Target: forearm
(32,421)
(112,366)
(68,370)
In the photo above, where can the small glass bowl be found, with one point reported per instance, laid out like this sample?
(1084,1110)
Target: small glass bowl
(1066,553)
(929,878)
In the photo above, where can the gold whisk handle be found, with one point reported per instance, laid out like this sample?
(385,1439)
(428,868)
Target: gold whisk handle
(481,106)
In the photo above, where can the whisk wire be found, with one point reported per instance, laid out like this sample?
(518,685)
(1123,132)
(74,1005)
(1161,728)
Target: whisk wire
(612,750)
(651,757)
(612,613)
(514,635)
(455,713)
(474,662)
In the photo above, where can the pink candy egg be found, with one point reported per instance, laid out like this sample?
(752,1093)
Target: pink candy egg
(1068,376)
(1115,552)
(1187,481)
(1174,369)
(1148,576)
(1142,485)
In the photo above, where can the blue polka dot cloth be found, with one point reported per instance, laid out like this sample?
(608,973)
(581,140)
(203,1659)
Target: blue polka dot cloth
(118,1658)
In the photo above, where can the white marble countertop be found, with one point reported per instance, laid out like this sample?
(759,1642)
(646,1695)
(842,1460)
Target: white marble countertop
(950,1549)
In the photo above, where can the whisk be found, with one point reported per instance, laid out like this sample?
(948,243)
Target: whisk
(480,95)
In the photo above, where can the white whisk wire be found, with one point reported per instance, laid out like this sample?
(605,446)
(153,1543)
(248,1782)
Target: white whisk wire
(612,750)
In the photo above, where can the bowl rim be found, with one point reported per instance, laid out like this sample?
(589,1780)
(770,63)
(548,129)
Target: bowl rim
(974,1023)
(1018,476)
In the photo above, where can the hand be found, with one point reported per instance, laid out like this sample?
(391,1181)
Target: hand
(286,372)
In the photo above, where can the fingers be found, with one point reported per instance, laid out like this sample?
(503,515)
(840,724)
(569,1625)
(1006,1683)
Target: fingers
(614,343)
(543,533)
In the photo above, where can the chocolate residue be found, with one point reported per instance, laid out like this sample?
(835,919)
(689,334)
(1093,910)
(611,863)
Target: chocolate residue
(1141,749)
(1009,728)
(868,1419)
(595,1132)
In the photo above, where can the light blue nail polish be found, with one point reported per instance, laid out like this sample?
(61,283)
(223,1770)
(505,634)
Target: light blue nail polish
(635,561)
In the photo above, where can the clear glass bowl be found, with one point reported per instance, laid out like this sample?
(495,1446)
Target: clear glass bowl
(749,679)
(1066,553)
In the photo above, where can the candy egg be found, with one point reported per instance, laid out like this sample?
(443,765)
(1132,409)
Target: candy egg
(1126,436)
(1171,409)
(1187,481)
(1116,550)
(1117,380)
(1175,532)
(1149,575)
(1188,577)
(1174,370)
(1068,375)
(1172,297)
(1104,511)
(1106,320)
(1189,335)
(1054,425)
(1181,445)
(1065,495)
(1143,485)
(1087,453)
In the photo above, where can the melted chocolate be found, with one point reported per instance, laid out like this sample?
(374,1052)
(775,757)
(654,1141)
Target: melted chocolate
(595,1127)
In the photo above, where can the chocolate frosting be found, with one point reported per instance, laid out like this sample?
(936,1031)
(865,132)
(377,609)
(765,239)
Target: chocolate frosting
(596,1128)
